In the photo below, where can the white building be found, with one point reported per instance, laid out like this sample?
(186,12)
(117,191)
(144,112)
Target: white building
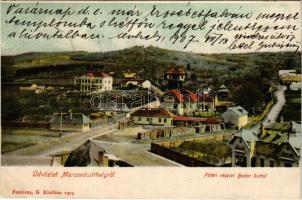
(93,81)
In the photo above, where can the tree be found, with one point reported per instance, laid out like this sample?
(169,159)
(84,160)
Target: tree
(10,106)
(248,96)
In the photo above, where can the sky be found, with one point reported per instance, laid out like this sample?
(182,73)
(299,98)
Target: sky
(14,46)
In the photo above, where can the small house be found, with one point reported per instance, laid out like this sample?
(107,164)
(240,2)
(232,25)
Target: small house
(237,117)
(70,122)
(152,116)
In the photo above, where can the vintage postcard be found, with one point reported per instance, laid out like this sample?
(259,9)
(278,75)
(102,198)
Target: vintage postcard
(134,99)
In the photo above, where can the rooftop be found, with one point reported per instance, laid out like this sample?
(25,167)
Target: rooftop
(176,71)
(69,118)
(182,95)
(153,112)
(238,110)
(196,119)
(223,88)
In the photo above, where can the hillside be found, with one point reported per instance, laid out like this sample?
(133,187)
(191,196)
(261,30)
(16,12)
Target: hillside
(148,60)
(248,76)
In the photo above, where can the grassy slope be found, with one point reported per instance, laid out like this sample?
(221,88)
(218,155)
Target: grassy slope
(152,62)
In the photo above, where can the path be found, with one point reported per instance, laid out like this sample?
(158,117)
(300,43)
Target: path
(275,110)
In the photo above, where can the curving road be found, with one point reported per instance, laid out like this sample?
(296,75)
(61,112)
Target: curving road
(275,110)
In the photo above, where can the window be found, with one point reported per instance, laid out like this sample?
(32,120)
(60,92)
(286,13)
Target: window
(139,119)
(271,163)
(165,120)
(159,120)
(288,165)
(261,162)
(148,119)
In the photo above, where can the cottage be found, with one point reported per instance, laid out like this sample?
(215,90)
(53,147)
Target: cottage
(268,148)
(236,117)
(152,116)
(93,81)
(69,122)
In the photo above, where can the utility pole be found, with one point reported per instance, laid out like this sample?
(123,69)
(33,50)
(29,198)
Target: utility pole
(61,121)
(61,124)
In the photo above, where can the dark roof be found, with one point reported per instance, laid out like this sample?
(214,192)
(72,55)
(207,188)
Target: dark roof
(80,156)
(69,118)
(153,112)
(176,71)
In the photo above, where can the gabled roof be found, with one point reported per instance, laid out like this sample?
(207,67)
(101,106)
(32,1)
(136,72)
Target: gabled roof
(238,110)
(296,150)
(153,112)
(182,95)
(247,143)
(223,88)
(70,118)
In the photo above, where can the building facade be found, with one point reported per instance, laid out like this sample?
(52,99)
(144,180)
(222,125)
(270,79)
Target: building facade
(180,102)
(267,149)
(152,116)
(93,81)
